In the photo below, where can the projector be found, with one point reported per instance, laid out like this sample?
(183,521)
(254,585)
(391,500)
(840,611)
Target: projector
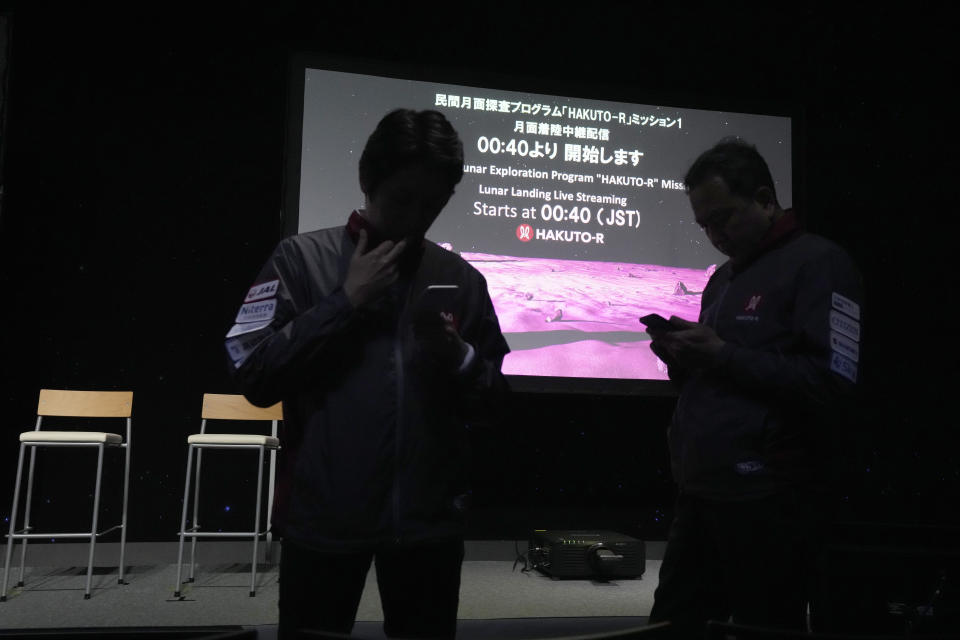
(586,554)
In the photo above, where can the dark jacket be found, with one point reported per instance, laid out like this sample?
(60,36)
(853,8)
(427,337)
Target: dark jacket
(373,436)
(761,419)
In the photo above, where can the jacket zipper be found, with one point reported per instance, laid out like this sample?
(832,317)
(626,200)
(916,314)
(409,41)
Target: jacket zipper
(711,320)
(716,308)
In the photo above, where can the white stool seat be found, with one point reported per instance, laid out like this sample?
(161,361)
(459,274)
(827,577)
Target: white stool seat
(71,436)
(234,438)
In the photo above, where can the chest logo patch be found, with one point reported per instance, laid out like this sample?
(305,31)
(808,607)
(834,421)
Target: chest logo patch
(753,303)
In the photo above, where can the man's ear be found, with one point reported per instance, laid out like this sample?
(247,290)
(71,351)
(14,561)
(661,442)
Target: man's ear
(367,196)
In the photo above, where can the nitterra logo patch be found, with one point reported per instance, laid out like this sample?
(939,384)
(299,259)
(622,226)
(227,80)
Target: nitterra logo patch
(257,311)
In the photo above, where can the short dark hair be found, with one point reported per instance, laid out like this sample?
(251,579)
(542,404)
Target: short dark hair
(405,137)
(737,162)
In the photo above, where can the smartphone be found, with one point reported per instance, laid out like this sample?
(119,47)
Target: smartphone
(436,303)
(439,297)
(657,322)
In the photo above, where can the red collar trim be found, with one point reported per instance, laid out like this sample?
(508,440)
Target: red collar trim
(410,259)
(356,222)
(784,226)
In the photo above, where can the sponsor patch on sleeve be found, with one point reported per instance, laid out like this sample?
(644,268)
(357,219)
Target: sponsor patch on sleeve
(261,311)
(843,366)
(845,346)
(249,327)
(265,290)
(750,467)
(241,346)
(844,324)
(846,305)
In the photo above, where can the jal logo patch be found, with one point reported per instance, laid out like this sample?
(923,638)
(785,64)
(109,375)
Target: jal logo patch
(257,311)
(262,291)
(753,303)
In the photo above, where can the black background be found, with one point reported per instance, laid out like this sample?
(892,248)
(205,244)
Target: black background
(144,181)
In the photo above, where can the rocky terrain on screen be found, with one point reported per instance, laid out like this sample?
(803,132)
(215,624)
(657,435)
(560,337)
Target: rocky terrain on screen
(574,318)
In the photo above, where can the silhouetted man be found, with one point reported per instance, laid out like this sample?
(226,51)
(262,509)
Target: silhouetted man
(775,349)
(375,389)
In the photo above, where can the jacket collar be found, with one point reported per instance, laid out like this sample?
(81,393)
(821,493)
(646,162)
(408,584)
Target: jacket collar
(782,230)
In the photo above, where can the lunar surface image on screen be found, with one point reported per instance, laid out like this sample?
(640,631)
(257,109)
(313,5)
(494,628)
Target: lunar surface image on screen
(573,318)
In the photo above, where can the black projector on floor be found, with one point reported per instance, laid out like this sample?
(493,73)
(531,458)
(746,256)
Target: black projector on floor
(601,555)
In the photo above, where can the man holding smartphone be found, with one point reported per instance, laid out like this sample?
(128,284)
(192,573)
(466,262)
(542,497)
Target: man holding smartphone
(761,375)
(378,378)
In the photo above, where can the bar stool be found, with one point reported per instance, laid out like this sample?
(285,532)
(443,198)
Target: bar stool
(229,407)
(73,404)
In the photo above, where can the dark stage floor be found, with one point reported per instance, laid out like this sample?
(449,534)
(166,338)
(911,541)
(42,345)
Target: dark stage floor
(495,600)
